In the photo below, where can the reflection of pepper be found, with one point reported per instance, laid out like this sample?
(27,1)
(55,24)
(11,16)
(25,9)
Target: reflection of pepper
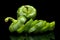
(25,13)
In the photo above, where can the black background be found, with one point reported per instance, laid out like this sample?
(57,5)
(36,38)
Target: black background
(45,11)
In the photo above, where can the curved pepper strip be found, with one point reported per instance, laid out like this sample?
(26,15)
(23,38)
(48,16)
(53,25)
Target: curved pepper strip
(16,23)
(25,13)
(42,26)
(25,27)
(39,26)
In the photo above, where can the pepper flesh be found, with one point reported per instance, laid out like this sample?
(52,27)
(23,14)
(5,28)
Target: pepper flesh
(27,12)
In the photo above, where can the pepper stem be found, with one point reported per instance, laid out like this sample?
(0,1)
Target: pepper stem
(10,18)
